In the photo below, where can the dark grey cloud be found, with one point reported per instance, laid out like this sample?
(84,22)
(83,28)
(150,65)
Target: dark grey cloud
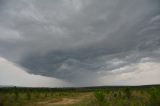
(75,40)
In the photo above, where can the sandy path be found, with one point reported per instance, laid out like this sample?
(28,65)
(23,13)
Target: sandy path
(63,101)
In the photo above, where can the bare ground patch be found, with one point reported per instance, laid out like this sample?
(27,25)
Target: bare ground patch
(63,101)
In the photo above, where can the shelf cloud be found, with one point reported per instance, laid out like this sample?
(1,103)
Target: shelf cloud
(89,42)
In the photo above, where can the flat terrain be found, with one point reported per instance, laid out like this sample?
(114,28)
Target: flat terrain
(63,101)
(96,96)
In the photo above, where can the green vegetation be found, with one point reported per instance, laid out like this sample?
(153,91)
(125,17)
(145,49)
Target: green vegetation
(100,97)
(154,97)
(90,96)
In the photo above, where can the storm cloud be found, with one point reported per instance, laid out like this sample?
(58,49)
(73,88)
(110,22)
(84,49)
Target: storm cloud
(84,42)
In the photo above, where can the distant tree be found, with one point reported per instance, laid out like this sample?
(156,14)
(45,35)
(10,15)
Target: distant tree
(16,93)
(128,92)
(28,95)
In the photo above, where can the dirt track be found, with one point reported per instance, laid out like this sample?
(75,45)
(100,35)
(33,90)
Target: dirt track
(63,101)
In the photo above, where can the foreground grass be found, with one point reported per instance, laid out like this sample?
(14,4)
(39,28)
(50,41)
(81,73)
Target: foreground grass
(120,96)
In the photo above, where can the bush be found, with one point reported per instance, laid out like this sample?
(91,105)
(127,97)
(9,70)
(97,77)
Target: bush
(100,97)
(154,97)
(28,95)
(128,92)
(16,94)
(1,101)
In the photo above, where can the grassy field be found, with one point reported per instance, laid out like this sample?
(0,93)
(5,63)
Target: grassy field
(90,96)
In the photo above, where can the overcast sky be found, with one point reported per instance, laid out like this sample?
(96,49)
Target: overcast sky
(79,42)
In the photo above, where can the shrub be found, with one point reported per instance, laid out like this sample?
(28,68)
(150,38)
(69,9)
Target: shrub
(100,97)
(1,101)
(16,94)
(154,97)
(28,95)
(128,92)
